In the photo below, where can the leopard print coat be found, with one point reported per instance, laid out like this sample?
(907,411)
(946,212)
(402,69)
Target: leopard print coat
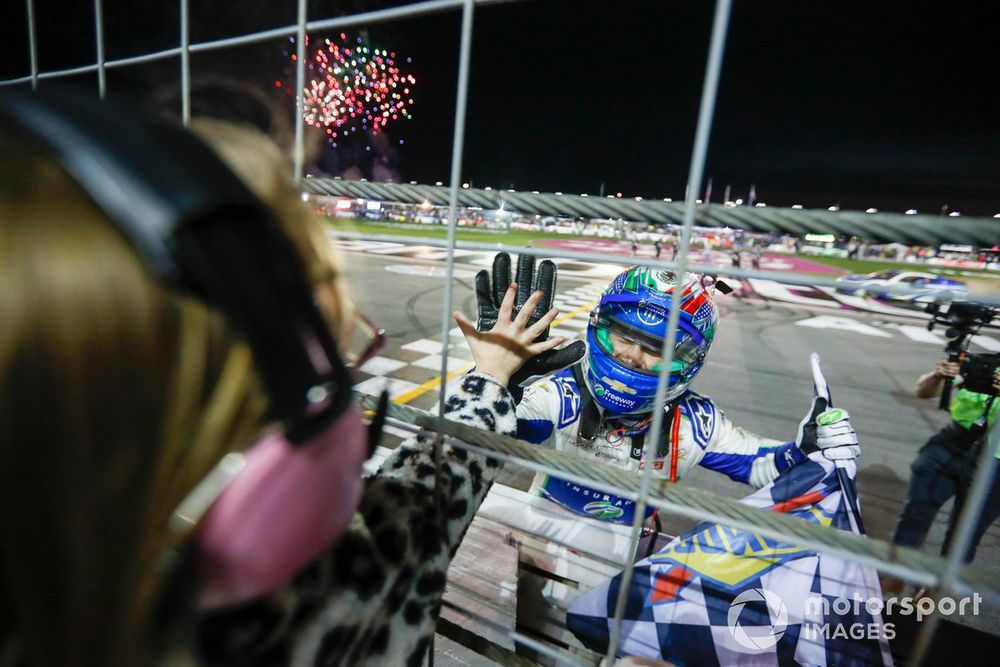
(374,597)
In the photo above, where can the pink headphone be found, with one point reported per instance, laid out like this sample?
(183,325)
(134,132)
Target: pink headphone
(201,231)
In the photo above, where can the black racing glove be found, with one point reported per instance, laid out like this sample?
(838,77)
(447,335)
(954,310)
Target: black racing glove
(528,280)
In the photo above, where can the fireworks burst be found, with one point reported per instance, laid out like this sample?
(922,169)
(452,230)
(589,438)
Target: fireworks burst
(353,86)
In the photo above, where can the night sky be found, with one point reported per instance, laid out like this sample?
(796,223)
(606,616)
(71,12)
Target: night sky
(863,104)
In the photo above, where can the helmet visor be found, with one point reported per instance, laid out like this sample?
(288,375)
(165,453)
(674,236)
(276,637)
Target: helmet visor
(686,351)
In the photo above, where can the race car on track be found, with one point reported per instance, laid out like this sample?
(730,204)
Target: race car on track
(924,287)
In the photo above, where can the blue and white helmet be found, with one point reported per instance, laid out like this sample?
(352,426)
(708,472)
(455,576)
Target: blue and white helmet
(635,307)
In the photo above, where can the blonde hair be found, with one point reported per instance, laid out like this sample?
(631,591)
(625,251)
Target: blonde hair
(117,396)
(262,166)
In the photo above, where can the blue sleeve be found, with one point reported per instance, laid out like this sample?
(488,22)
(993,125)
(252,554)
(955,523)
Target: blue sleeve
(787,456)
(548,404)
(535,431)
(734,466)
(738,467)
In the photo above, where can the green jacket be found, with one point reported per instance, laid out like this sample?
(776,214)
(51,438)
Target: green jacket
(967,408)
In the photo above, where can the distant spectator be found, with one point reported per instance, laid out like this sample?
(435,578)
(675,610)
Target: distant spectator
(853,246)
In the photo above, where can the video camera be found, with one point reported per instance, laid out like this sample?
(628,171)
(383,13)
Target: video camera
(964,319)
(977,372)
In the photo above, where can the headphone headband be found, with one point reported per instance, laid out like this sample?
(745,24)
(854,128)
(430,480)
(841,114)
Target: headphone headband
(199,229)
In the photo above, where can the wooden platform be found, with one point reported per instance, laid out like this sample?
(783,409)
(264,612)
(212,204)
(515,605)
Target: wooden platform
(514,575)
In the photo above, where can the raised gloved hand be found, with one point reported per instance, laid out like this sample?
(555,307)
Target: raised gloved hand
(489,296)
(828,430)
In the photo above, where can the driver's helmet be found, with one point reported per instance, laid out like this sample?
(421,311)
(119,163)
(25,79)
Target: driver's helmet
(636,307)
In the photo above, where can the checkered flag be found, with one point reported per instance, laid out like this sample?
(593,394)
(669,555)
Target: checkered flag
(721,596)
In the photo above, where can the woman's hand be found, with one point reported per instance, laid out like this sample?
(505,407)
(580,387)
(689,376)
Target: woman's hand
(501,351)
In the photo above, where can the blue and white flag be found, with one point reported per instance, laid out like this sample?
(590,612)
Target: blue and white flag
(721,596)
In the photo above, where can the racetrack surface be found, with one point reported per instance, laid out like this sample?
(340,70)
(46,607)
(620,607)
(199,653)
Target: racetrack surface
(757,372)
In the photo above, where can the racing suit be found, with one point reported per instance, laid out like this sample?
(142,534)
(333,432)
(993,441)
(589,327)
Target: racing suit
(552,410)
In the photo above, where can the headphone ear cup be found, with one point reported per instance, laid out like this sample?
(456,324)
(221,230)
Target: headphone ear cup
(289,503)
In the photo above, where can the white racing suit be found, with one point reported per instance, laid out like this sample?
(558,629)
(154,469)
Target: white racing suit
(550,414)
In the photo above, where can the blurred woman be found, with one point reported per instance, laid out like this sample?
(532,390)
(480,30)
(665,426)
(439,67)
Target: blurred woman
(119,398)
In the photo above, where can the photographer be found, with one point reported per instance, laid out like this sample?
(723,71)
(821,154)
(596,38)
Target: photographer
(945,465)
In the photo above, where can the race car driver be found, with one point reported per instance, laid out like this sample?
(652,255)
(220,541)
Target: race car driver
(602,407)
